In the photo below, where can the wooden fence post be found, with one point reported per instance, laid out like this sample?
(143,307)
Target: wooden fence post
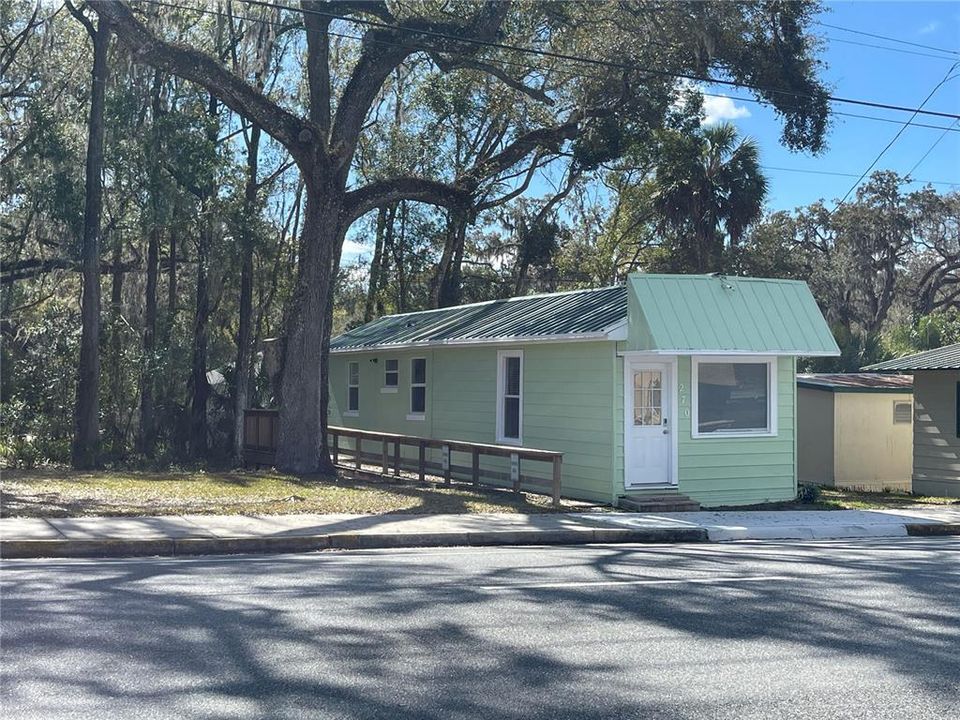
(396,458)
(336,448)
(384,458)
(446,464)
(357,444)
(556,481)
(476,467)
(422,460)
(515,471)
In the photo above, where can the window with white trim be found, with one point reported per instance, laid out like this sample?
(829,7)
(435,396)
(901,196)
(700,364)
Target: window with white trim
(510,396)
(353,388)
(418,386)
(734,397)
(391,374)
(902,412)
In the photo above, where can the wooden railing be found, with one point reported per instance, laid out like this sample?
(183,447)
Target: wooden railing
(260,442)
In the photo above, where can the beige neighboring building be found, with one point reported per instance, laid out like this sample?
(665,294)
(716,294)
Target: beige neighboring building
(855,430)
(936,428)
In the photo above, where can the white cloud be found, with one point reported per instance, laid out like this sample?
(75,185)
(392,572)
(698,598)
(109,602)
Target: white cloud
(930,27)
(352,248)
(719,108)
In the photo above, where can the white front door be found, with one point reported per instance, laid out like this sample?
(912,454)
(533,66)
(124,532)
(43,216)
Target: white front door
(648,441)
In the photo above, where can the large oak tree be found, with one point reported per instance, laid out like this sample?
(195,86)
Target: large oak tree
(578,112)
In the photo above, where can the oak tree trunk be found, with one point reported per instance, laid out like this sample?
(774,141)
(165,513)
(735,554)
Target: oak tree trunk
(302,443)
(86,439)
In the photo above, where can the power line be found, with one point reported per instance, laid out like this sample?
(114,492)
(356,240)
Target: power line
(514,63)
(944,129)
(929,150)
(904,51)
(900,132)
(594,61)
(887,38)
(842,174)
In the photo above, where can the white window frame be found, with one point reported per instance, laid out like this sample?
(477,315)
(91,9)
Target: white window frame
(418,416)
(501,387)
(772,386)
(348,412)
(390,388)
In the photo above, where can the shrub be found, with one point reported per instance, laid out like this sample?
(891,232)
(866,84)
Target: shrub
(808,493)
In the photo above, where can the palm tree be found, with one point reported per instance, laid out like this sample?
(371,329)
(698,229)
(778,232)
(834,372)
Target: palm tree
(707,189)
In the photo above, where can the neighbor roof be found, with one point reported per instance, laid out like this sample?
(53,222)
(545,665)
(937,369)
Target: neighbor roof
(856,382)
(944,358)
(580,314)
(717,314)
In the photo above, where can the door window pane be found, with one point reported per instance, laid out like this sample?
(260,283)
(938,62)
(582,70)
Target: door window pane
(733,397)
(647,397)
(418,386)
(510,384)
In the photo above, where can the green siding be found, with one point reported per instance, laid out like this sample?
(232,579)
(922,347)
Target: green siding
(727,471)
(572,402)
(567,389)
(740,471)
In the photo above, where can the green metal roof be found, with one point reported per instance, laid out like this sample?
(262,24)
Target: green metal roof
(713,313)
(581,314)
(944,358)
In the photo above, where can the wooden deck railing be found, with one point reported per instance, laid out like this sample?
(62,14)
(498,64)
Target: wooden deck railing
(385,451)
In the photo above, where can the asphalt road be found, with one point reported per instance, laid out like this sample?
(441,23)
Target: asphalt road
(806,630)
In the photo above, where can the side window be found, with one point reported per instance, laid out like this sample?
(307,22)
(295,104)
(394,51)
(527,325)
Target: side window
(418,386)
(353,387)
(510,396)
(391,373)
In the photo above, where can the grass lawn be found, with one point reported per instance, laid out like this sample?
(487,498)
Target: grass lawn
(65,493)
(840,499)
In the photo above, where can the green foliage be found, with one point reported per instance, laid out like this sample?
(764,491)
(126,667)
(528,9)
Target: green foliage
(808,494)
(37,385)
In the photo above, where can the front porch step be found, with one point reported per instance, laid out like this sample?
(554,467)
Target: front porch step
(658,503)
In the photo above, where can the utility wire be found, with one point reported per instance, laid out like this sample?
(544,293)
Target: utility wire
(853,175)
(887,38)
(900,132)
(592,61)
(929,150)
(514,63)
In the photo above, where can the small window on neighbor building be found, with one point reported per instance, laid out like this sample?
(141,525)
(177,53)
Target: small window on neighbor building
(902,413)
(418,386)
(353,387)
(391,373)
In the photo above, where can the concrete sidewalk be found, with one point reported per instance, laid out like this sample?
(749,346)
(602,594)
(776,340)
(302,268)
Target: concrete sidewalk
(223,534)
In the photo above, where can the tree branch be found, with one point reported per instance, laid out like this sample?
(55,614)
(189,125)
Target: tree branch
(449,64)
(296,134)
(385,192)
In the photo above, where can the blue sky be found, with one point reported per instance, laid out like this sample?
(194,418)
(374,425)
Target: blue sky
(860,72)
(868,73)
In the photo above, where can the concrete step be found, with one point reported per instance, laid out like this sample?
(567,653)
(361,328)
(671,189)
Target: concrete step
(658,503)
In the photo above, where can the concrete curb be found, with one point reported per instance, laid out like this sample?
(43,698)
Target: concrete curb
(24,549)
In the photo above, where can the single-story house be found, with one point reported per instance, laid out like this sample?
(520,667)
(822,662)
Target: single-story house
(670,385)
(936,417)
(855,430)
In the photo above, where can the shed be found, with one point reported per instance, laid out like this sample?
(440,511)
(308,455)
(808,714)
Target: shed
(936,417)
(855,430)
(669,385)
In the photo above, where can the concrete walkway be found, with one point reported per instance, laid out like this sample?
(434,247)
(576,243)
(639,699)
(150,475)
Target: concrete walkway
(221,534)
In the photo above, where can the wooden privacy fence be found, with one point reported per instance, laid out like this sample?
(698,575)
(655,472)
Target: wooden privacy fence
(385,451)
